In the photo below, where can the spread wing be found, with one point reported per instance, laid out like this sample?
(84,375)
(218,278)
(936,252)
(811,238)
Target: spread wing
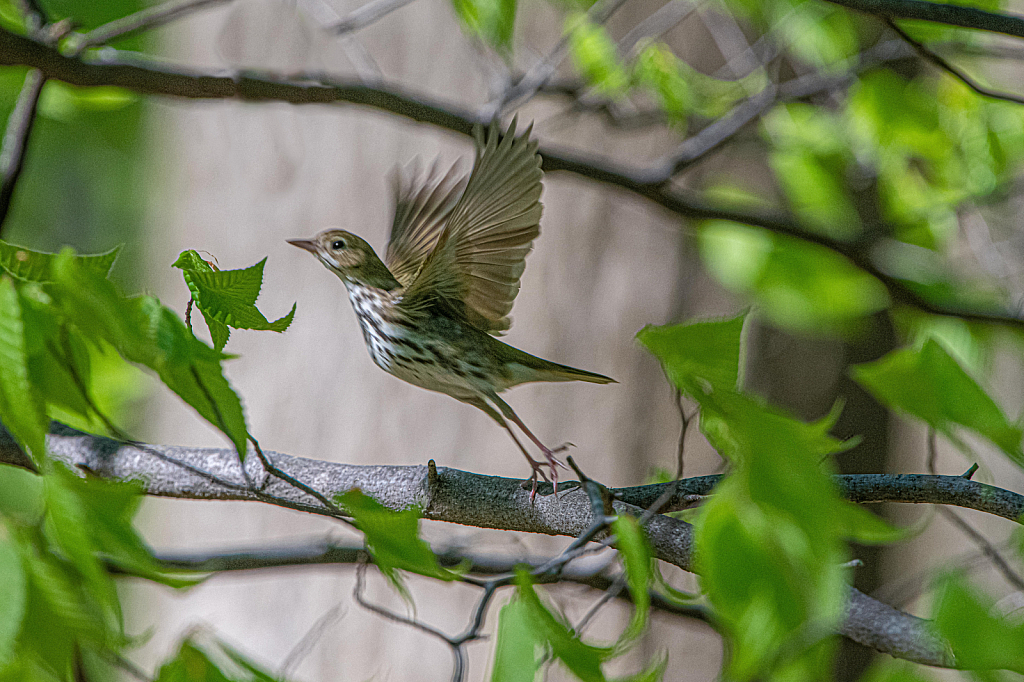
(423,202)
(480,254)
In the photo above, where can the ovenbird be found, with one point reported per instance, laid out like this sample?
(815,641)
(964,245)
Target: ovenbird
(430,310)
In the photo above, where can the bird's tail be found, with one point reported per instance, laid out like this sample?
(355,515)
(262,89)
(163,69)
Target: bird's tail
(552,371)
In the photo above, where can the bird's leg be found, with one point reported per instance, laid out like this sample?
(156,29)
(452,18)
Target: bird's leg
(552,462)
(537,467)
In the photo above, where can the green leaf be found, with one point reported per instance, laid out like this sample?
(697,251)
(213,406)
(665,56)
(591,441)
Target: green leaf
(596,57)
(780,511)
(698,356)
(866,528)
(68,527)
(890,670)
(36,266)
(227,298)
(61,612)
(13,597)
(107,509)
(929,384)
(392,537)
(659,70)
(21,409)
(816,189)
(583,660)
(492,20)
(190,664)
(21,495)
(799,286)
(636,558)
(979,640)
(147,333)
(515,648)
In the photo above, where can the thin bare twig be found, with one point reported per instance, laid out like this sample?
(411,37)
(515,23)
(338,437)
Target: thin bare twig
(273,470)
(718,133)
(956,72)
(366,15)
(309,640)
(367,69)
(143,20)
(527,86)
(967,529)
(459,669)
(16,136)
(659,22)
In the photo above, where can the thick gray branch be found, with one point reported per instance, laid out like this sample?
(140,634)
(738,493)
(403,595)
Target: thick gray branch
(445,495)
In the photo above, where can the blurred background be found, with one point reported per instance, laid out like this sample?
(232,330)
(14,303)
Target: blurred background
(235,179)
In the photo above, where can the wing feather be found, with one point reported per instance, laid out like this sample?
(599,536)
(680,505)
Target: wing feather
(423,202)
(479,256)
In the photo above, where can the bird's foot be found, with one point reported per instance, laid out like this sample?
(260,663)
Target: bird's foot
(552,463)
(538,473)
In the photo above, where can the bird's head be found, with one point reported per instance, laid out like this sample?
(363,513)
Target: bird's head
(349,257)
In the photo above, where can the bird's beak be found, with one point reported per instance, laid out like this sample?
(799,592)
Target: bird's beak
(307,244)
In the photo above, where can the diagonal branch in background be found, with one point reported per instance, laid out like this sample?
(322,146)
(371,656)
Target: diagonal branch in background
(928,55)
(521,92)
(493,502)
(651,184)
(16,136)
(365,15)
(954,15)
(143,20)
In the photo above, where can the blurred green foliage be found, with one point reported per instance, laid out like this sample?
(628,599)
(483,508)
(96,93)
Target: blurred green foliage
(532,632)
(778,510)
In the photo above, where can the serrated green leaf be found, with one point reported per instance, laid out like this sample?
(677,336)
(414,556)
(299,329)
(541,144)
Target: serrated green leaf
(699,355)
(636,559)
(515,647)
(21,409)
(929,384)
(227,298)
(491,20)
(979,639)
(13,598)
(778,510)
(59,614)
(192,260)
(36,266)
(392,537)
(149,334)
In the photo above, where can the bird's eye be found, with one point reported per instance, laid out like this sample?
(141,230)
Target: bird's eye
(337,245)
